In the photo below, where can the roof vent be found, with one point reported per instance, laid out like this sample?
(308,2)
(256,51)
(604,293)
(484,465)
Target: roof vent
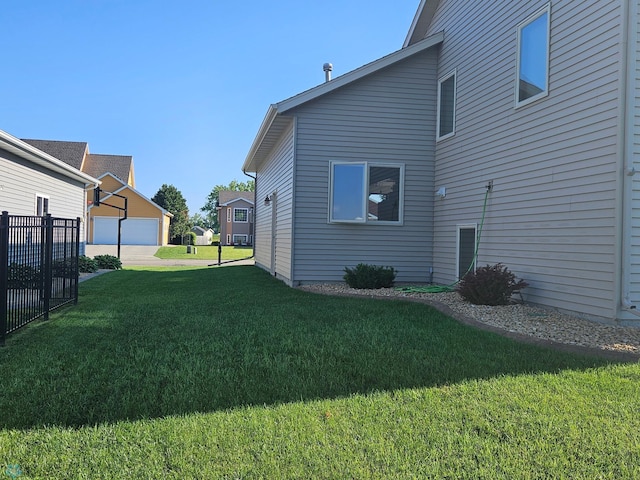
(328,68)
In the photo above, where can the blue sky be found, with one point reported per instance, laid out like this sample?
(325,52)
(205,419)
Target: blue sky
(181,86)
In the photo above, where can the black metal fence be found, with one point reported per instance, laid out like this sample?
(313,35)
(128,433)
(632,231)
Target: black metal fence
(39,260)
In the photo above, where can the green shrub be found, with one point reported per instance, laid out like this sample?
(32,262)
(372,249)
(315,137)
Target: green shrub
(188,238)
(66,268)
(490,285)
(22,276)
(108,262)
(86,264)
(369,276)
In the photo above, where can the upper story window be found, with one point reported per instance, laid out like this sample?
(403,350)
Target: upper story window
(366,193)
(42,205)
(241,215)
(446,125)
(533,58)
(228,214)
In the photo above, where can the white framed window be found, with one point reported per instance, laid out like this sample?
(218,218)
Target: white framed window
(446,122)
(228,214)
(42,205)
(240,239)
(241,215)
(228,239)
(366,192)
(532,65)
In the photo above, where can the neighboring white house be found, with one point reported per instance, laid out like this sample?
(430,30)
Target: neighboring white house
(522,118)
(33,182)
(204,236)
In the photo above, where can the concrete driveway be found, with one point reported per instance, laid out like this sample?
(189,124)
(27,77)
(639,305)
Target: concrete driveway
(142,255)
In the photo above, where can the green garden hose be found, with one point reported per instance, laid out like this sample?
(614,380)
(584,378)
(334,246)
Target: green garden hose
(451,287)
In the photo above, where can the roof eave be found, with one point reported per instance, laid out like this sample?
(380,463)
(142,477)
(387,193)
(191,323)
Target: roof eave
(275,123)
(421,21)
(31,153)
(262,132)
(359,73)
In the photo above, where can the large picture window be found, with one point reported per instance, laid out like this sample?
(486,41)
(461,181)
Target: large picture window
(446,106)
(241,215)
(366,193)
(533,58)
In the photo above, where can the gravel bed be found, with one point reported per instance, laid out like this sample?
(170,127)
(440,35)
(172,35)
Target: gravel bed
(518,319)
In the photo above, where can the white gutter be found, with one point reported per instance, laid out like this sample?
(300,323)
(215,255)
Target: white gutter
(626,160)
(31,153)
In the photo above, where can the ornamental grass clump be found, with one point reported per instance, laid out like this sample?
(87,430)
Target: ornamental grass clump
(490,285)
(369,276)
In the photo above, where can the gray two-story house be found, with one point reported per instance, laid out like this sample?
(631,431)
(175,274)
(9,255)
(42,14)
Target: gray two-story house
(503,132)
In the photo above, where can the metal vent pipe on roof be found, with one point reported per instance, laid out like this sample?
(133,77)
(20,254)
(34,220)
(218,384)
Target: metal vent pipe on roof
(328,68)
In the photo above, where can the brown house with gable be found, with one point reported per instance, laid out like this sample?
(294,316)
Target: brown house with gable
(235,216)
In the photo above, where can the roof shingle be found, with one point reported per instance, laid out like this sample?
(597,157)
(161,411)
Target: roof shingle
(71,153)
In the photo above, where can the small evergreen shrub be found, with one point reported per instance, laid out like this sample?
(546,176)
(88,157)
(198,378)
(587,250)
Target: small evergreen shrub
(65,268)
(369,276)
(108,262)
(86,264)
(490,285)
(22,276)
(189,238)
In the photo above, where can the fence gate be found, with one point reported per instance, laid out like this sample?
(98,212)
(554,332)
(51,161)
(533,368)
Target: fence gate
(39,260)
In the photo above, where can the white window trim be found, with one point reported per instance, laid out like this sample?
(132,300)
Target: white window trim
(365,198)
(245,236)
(241,221)
(228,239)
(546,9)
(228,214)
(43,196)
(441,80)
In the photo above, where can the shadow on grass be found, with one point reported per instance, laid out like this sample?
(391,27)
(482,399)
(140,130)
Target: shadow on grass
(152,343)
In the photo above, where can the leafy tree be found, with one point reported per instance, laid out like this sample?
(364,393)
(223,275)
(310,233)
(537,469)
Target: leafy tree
(212,200)
(171,199)
(199,220)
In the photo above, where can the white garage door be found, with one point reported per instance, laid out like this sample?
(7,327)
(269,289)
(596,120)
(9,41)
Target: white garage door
(135,231)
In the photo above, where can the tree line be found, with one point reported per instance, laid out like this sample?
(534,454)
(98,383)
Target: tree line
(172,200)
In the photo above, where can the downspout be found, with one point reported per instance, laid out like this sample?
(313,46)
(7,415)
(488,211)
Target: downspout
(88,187)
(255,211)
(627,89)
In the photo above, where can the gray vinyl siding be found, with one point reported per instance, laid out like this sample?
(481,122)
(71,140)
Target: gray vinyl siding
(634,260)
(275,178)
(386,117)
(551,217)
(21,181)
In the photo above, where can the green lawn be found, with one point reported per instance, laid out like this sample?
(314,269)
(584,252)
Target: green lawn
(203,252)
(227,373)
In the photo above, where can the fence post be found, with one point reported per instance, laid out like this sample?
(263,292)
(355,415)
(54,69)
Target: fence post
(76,263)
(4,273)
(48,255)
